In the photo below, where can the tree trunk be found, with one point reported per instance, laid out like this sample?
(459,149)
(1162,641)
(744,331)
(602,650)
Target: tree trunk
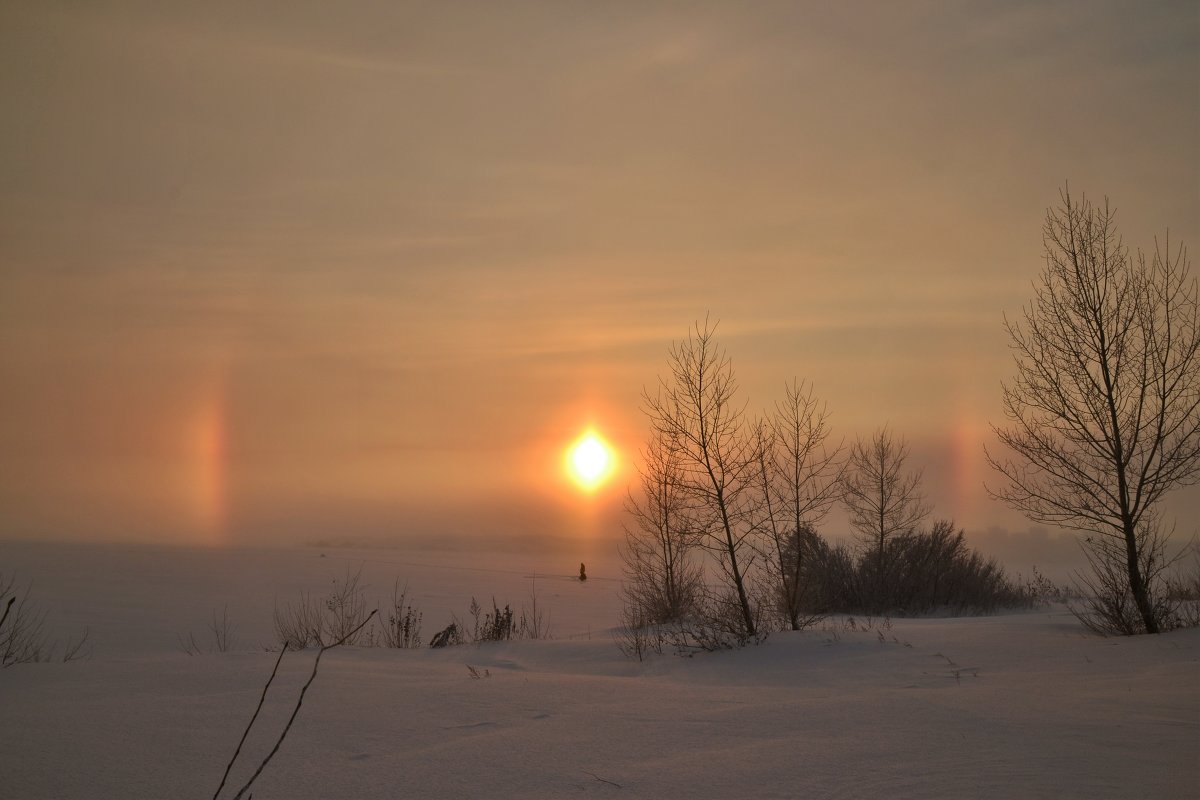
(1137,584)
(743,599)
(794,594)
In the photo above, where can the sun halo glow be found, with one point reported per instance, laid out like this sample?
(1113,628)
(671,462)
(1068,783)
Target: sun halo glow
(590,461)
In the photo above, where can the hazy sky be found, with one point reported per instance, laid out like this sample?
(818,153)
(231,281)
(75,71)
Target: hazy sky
(362,269)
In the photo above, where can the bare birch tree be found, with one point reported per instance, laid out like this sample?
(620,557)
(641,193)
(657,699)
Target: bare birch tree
(662,579)
(798,477)
(1105,410)
(882,498)
(696,410)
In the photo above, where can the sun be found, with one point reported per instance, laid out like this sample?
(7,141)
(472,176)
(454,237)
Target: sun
(590,461)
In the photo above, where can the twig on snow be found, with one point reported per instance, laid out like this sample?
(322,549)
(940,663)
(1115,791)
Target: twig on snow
(299,702)
(250,724)
(602,780)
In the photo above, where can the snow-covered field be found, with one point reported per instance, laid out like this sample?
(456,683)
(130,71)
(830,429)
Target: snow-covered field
(1017,706)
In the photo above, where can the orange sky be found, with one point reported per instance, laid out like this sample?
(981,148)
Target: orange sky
(316,270)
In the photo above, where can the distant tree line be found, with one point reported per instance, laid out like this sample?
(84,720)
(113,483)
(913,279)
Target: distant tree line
(723,542)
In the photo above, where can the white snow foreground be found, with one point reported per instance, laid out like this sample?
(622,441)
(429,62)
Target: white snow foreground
(1017,706)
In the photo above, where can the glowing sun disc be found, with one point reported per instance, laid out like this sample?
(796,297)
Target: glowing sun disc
(590,461)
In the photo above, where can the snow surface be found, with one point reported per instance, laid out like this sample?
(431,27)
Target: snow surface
(1016,706)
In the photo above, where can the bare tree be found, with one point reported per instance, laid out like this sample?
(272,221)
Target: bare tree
(695,410)
(882,498)
(798,478)
(1105,410)
(662,580)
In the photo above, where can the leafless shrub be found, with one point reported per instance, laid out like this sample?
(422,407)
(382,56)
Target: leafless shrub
(504,624)
(344,608)
(22,628)
(534,622)
(936,570)
(1183,590)
(490,626)
(189,645)
(403,626)
(320,620)
(300,624)
(637,636)
(78,649)
(1107,604)
(1039,590)
(449,636)
(717,625)
(23,637)
(835,627)
(918,573)
(1184,581)
(830,578)
(221,629)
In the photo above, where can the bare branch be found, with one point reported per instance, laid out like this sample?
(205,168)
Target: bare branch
(348,636)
